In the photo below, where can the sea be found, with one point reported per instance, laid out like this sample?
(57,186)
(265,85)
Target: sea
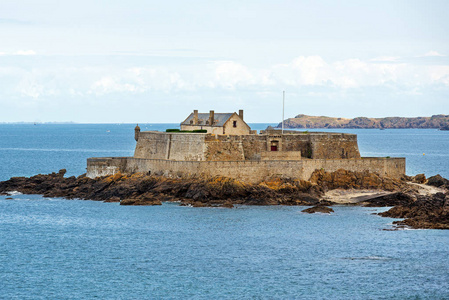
(53,248)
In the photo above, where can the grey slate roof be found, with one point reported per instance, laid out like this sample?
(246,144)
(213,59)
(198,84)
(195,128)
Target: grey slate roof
(220,118)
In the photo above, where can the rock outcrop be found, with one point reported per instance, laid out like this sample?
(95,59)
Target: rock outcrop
(320,208)
(426,212)
(398,198)
(438,181)
(419,210)
(140,189)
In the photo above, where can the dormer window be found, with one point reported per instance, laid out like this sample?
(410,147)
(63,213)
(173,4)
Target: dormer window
(234,124)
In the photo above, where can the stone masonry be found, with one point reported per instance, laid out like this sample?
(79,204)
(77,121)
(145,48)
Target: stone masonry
(248,156)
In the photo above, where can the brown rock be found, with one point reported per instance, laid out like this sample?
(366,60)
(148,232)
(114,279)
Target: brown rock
(227,205)
(438,181)
(112,199)
(419,178)
(139,201)
(428,212)
(318,209)
(394,199)
(406,178)
(199,204)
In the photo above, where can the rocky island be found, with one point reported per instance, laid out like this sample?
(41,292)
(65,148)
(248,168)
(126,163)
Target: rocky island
(304,121)
(424,203)
(216,160)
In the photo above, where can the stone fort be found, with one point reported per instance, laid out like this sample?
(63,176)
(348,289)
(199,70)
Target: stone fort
(222,144)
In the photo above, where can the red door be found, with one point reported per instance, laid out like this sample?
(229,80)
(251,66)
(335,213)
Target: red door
(274,148)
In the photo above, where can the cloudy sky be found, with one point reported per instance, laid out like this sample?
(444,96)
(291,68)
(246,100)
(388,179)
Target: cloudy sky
(156,61)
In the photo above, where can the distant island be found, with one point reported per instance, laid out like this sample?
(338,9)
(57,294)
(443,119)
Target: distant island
(39,123)
(304,121)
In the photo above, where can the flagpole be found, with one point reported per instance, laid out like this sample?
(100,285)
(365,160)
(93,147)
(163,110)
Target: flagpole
(283,107)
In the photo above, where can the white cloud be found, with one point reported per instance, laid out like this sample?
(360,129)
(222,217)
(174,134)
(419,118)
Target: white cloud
(25,52)
(440,74)
(303,71)
(350,73)
(385,59)
(229,74)
(433,53)
(19,52)
(139,80)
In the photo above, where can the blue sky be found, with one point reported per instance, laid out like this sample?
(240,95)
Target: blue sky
(155,61)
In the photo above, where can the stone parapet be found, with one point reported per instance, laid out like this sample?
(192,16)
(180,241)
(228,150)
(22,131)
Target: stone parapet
(247,171)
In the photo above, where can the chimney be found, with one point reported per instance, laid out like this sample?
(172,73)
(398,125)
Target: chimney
(211,117)
(241,114)
(195,117)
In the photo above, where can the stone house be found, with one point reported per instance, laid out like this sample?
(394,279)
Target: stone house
(217,123)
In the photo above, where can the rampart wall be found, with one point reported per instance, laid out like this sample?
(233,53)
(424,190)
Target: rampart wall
(173,146)
(210,147)
(335,145)
(247,171)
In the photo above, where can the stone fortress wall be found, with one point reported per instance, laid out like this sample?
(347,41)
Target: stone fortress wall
(247,171)
(210,147)
(250,158)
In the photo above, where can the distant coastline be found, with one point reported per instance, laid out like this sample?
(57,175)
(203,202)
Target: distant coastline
(305,121)
(37,123)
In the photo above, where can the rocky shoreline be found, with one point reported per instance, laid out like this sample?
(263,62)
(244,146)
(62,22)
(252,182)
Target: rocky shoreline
(305,121)
(423,203)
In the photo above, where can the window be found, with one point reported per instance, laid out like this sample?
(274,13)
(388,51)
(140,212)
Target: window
(234,124)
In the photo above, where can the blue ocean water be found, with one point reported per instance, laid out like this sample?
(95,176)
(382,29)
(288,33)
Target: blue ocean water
(73,249)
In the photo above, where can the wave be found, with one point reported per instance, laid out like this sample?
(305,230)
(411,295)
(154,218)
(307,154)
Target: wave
(13,193)
(368,258)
